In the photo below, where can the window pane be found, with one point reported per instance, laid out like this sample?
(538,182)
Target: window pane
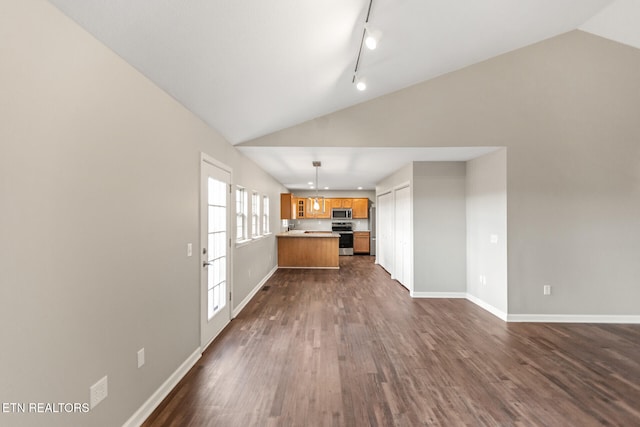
(217,192)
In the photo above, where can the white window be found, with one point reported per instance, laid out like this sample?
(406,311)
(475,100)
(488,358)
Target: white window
(265,215)
(241,214)
(255,214)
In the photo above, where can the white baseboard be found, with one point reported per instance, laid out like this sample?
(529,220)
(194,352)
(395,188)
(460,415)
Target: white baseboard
(477,301)
(486,306)
(438,294)
(156,398)
(534,318)
(574,318)
(255,290)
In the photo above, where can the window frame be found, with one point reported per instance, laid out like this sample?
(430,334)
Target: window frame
(266,227)
(241,214)
(255,215)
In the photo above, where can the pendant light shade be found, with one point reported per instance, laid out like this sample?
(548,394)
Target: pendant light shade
(316,204)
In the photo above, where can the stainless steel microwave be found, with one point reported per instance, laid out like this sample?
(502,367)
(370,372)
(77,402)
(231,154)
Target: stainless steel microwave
(341,213)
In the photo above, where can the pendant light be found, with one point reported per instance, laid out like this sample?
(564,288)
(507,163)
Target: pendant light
(315,202)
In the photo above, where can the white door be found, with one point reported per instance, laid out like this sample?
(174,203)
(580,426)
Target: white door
(385,232)
(215,308)
(403,253)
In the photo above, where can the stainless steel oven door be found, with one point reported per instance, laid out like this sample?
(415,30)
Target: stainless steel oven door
(346,243)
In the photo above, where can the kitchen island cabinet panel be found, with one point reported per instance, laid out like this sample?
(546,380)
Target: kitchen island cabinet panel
(312,250)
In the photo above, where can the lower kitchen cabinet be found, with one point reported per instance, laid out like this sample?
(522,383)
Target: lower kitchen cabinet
(360,242)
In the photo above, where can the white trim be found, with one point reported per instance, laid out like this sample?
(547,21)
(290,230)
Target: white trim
(255,290)
(230,220)
(438,294)
(213,161)
(534,318)
(488,307)
(574,318)
(156,398)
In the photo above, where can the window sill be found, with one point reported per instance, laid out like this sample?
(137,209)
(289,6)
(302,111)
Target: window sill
(241,243)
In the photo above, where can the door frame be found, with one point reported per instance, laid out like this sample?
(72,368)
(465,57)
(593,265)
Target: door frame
(407,276)
(202,301)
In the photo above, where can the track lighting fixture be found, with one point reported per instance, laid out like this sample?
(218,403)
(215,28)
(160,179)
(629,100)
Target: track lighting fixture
(370,39)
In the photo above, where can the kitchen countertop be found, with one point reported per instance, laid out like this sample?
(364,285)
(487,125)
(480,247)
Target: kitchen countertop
(307,233)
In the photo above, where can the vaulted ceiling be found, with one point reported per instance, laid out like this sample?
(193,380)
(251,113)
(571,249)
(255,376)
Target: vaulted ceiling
(250,68)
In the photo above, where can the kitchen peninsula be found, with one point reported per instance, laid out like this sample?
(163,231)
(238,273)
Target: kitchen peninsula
(308,249)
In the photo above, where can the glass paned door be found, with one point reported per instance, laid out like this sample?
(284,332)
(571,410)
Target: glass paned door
(214,228)
(217,248)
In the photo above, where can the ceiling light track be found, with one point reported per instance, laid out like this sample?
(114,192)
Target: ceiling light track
(368,39)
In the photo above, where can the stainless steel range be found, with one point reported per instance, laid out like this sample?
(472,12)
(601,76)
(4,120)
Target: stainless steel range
(345,229)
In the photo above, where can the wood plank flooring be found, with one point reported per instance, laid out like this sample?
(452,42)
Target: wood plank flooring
(349,347)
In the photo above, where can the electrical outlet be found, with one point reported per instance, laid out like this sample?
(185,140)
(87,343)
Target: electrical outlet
(546,289)
(189,249)
(98,392)
(141,357)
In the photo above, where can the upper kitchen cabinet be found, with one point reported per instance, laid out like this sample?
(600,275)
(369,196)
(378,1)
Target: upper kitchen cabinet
(325,209)
(287,206)
(341,203)
(336,203)
(292,207)
(301,207)
(360,208)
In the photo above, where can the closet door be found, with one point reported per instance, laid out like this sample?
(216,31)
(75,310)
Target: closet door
(385,232)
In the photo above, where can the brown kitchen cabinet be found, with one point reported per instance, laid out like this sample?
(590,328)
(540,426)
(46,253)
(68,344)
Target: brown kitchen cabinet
(301,208)
(361,242)
(360,208)
(326,213)
(287,206)
(342,203)
(336,203)
(292,207)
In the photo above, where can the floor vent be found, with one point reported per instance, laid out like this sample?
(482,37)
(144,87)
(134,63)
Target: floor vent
(266,288)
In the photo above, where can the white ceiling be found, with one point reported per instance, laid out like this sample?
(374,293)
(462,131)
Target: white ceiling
(250,68)
(347,168)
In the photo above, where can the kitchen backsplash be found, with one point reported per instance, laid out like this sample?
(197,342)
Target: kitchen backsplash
(325,224)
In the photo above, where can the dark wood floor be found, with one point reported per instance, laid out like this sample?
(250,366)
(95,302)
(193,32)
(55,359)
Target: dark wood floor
(349,347)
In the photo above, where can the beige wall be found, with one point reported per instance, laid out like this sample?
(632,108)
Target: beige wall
(99,193)
(567,110)
(439,228)
(486,218)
